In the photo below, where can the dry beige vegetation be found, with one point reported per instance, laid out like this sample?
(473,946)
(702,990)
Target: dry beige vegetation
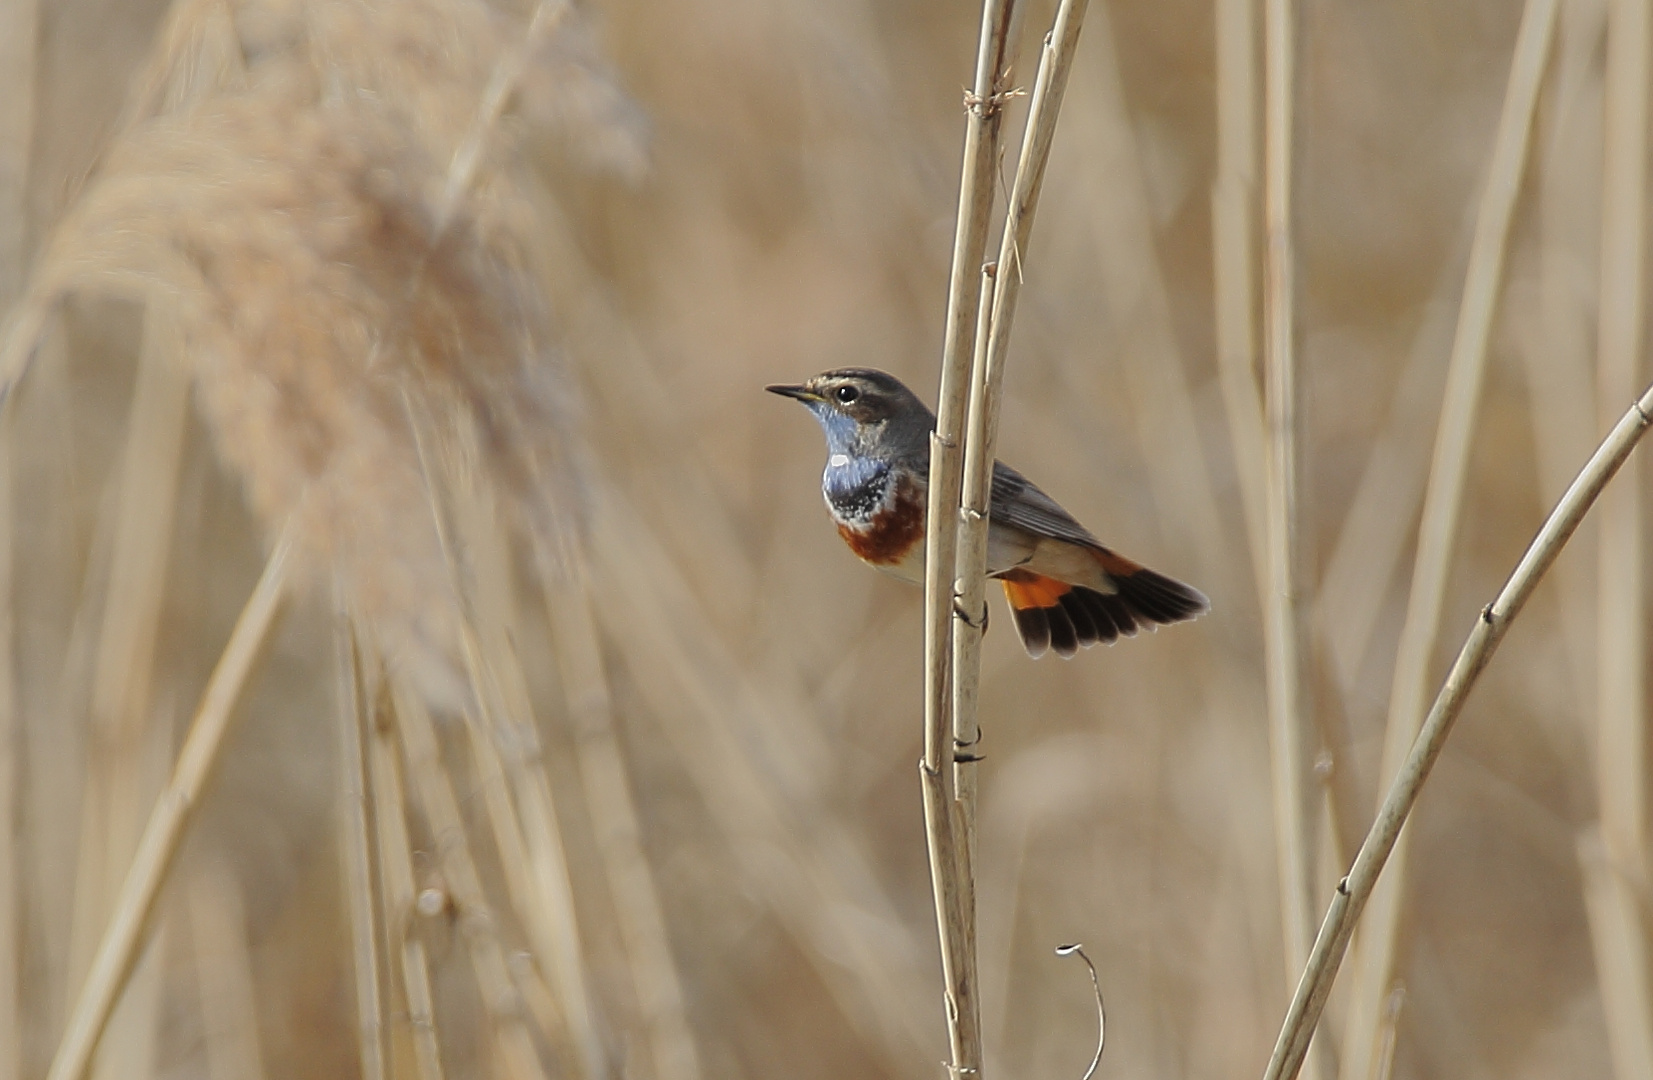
(509,413)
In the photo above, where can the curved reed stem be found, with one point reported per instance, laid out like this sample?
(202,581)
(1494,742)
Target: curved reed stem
(1355,889)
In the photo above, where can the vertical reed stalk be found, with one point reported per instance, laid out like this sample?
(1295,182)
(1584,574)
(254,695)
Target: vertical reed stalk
(477,928)
(614,816)
(1442,502)
(1377,528)
(1136,300)
(1621,636)
(502,737)
(1000,290)
(1621,958)
(515,858)
(396,883)
(10,730)
(223,967)
(143,508)
(941,536)
(508,712)
(129,737)
(1559,358)
(1285,603)
(19,39)
(19,22)
(56,769)
(824,887)
(1231,251)
(356,850)
(1355,890)
(969,624)
(1615,864)
(119,948)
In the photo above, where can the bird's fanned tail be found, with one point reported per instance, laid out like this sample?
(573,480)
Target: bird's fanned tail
(1053,614)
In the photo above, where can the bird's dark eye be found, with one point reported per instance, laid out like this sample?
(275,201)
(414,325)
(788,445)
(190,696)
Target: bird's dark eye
(846,394)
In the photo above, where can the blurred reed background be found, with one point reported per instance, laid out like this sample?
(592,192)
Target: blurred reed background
(285,270)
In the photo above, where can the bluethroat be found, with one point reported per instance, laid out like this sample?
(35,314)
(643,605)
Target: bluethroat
(1064,588)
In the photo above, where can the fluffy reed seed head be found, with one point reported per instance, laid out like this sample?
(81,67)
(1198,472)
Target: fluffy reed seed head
(339,286)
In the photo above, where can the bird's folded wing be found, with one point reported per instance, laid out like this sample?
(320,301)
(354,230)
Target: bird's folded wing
(1019,504)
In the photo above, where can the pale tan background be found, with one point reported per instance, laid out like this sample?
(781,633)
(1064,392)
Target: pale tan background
(796,214)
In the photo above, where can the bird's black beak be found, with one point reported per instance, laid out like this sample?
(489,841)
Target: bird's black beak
(802,393)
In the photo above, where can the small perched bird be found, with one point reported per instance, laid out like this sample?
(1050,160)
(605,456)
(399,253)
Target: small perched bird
(1064,587)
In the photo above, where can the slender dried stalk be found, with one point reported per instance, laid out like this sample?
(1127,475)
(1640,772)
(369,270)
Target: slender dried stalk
(969,624)
(1355,889)
(615,822)
(223,966)
(436,798)
(1615,863)
(1557,353)
(1285,604)
(510,719)
(1135,297)
(502,86)
(119,948)
(56,768)
(356,849)
(515,858)
(504,744)
(1385,1067)
(1377,528)
(1000,289)
(941,535)
(1003,288)
(396,882)
(126,731)
(1231,252)
(19,21)
(1621,634)
(810,866)
(10,729)
(1621,957)
(1442,501)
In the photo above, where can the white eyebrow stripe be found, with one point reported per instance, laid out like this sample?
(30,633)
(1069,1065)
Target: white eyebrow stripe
(838,461)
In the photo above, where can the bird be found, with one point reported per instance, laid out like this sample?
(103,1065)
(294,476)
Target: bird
(1064,588)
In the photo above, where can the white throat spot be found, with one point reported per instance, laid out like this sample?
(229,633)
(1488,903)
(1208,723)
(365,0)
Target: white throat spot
(838,461)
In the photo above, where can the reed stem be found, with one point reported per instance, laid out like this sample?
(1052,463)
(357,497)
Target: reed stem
(1443,500)
(356,850)
(982,113)
(1355,890)
(177,803)
(1285,602)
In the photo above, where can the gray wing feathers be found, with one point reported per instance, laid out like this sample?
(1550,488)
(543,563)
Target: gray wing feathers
(1017,503)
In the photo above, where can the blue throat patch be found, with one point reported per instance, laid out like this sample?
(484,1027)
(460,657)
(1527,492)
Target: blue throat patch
(854,484)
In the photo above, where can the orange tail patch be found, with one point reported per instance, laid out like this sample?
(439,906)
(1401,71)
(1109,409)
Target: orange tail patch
(1042,619)
(1053,614)
(1025,589)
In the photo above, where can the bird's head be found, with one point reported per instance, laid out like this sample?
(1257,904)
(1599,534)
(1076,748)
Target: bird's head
(865,413)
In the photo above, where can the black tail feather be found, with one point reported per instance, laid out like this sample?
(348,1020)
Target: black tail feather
(1034,629)
(1064,636)
(1089,629)
(1063,621)
(1159,599)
